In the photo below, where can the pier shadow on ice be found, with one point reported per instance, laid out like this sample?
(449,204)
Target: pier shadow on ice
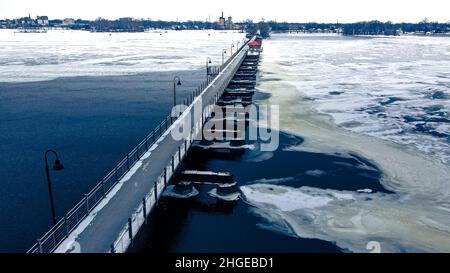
(206,224)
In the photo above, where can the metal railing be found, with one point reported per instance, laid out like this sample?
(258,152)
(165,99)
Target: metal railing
(59,232)
(139,217)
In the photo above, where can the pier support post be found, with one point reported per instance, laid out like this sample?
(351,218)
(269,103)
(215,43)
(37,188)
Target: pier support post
(156,192)
(130,230)
(144,210)
(173,165)
(165,176)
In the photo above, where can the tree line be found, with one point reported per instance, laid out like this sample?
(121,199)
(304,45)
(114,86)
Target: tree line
(364,28)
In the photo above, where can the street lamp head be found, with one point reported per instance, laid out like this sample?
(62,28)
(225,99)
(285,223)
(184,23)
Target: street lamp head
(57,166)
(176,80)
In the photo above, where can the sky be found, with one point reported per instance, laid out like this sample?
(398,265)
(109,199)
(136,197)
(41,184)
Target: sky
(344,11)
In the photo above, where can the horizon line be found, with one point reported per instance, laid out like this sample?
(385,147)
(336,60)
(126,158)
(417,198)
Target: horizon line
(237,22)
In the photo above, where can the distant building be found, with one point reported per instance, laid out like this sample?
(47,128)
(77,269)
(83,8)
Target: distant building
(42,20)
(68,22)
(126,19)
(222,22)
(226,24)
(25,20)
(229,23)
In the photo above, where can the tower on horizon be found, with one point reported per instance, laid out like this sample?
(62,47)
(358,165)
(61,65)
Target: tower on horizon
(222,21)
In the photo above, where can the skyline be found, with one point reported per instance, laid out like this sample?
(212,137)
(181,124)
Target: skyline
(326,11)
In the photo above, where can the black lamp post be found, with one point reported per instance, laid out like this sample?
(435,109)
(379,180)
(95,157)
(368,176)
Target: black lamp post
(57,166)
(208,61)
(176,81)
(224,51)
(232,46)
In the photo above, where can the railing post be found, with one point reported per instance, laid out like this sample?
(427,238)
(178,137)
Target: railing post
(179,154)
(185,146)
(67,225)
(40,246)
(144,210)
(87,201)
(130,230)
(112,250)
(103,187)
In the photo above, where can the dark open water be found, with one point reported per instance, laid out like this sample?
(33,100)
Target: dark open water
(206,224)
(92,122)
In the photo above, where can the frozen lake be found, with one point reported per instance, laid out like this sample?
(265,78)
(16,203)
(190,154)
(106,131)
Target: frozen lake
(93,96)
(45,56)
(395,88)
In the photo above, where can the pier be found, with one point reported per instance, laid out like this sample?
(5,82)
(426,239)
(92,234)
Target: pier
(108,218)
